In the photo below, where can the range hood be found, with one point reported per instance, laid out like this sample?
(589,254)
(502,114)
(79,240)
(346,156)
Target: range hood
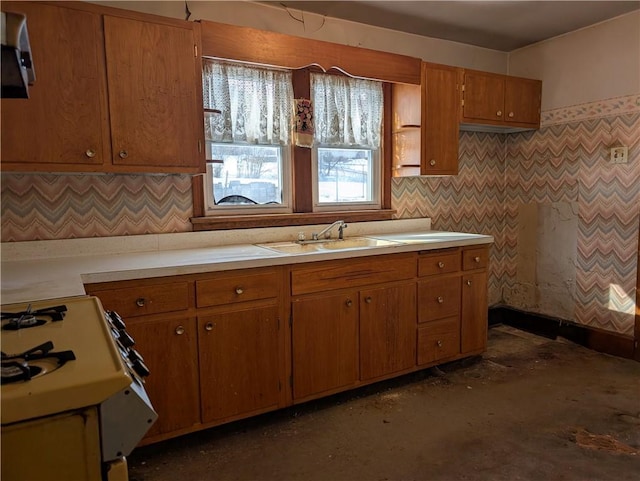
(17,68)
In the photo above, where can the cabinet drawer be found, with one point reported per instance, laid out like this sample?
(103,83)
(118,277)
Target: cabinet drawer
(438,298)
(475,258)
(438,340)
(443,263)
(238,288)
(145,300)
(352,273)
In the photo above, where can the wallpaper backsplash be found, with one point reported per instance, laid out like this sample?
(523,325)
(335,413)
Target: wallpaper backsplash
(564,218)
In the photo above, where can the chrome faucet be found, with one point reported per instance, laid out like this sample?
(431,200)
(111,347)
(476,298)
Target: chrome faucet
(326,232)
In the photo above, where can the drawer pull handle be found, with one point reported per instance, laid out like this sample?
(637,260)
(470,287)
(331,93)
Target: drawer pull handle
(441,265)
(510,115)
(432,162)
(141,301)
(476,258)
(349,303)
(440,299)
(123,154)
(239,290)
(468,283)
(90,153)
(180,330)
(367,300)
(499,113)
(439,343)
(208,326)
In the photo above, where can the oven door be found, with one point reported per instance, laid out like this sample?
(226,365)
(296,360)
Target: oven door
(63,446)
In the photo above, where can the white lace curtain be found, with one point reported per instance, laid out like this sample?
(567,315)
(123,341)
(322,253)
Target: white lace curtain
(255,103)
(347,111)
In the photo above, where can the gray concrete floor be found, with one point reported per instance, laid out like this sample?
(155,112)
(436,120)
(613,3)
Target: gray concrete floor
(530,409)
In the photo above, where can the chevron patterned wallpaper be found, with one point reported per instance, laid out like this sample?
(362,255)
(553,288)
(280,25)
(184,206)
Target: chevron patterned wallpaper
(566,161)
(40,207)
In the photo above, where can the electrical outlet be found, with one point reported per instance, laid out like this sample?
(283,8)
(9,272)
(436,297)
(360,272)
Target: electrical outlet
(619,155)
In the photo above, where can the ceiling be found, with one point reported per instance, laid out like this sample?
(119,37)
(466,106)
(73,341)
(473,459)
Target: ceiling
(500,25)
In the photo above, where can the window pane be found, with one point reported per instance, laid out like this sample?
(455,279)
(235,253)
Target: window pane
(246,174)
(345,175)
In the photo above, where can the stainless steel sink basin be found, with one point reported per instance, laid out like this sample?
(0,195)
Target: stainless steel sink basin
(328,245)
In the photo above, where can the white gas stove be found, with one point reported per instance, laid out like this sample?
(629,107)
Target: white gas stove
(72,391)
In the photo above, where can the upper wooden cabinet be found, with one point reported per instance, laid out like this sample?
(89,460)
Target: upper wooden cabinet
(440,111)
(115,91)
(500,100)
(425,123)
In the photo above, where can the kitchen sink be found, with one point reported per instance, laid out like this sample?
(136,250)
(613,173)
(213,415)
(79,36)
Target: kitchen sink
(328,245)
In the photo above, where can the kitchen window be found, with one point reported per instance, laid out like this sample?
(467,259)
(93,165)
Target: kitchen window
(346,153)
(248,132)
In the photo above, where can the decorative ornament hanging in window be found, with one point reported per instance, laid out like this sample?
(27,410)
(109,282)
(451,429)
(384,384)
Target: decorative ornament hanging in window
(303,129)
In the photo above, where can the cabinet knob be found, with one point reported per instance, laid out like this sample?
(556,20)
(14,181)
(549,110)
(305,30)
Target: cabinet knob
(367,300)
(239,290)
(439,343)
(208,326)
(499,113)
(123,154)
(349,303)
(180,330)
(440,299)
(90,153)
(469,283)
(432,162)
(141,301)
(476,258)
(441,265)
(510,115)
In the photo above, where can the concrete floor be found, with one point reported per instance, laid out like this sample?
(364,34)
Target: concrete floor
(530,409)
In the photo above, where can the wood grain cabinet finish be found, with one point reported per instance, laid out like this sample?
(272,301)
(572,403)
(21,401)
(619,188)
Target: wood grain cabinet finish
(239,362)
(325,343)
(473,318)
(170,350)
(236,287)
(143,300)
(501,100)
(438,298)
(112,93)
(425,123)
(387,330)
(64,121)
(438,340)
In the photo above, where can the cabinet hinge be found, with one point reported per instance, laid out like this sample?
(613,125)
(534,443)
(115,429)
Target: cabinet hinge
(195,51)
(462,102)
(462,88)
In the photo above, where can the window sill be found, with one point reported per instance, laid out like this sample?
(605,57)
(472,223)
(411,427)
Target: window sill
(284,220)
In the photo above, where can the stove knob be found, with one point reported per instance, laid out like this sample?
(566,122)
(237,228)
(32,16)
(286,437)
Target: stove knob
(116,320)
(125,339)
(140,368)
(134,356)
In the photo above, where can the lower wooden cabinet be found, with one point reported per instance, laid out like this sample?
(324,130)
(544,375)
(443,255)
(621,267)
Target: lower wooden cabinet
(238,362)
(473,329)
(387,330)
(229,345)
(324,343)
(170,350)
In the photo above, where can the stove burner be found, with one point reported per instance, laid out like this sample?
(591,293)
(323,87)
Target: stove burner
(30,318)
(37,361)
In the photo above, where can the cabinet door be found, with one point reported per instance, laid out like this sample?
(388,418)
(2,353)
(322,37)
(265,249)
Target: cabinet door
(325,343)
(153,101)
(64,121)
(387,330)
(522,100)
(474,312)
(441,101)
(169,348)
(238,362)
(483,96)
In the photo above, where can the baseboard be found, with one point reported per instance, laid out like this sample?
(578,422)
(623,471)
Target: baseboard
(551,327)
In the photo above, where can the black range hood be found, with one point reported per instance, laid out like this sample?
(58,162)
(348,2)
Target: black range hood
(17,67)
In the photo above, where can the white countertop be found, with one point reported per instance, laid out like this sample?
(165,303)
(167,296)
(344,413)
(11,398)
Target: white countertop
(55,276)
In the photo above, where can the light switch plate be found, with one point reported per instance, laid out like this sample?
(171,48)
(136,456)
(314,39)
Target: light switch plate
(619,155)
